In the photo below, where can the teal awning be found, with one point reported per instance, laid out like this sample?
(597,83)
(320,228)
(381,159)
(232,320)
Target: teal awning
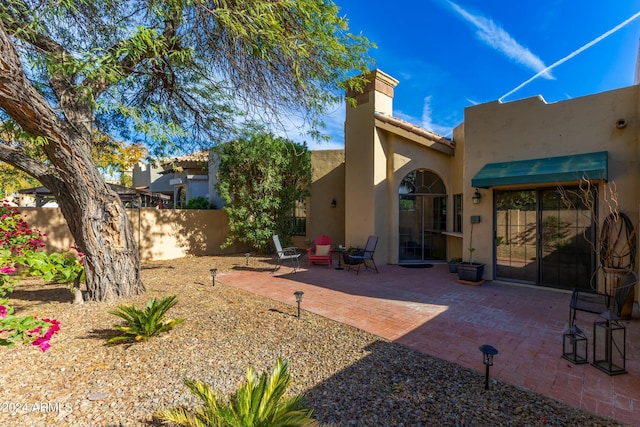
(541,171)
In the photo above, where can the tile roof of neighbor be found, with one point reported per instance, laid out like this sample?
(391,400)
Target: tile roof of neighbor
(198,156)
(415,130)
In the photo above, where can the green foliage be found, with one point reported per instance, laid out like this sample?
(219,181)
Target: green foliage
(177,71)
(57,267)
(144,324)
(261,178)
(19,244)
(257,403)
(199,202)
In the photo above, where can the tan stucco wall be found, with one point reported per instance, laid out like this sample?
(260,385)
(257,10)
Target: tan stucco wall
(368,189)
(532,129)
(362,154)
(160,233)
(327,185)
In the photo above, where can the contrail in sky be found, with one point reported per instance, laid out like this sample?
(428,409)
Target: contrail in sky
(572,54)
(497,38)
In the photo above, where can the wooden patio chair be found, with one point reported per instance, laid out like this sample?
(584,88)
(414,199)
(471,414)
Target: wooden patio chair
(321,251)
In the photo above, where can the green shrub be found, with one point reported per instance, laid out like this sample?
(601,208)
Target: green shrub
(144,324)
(254,404)
(199,202)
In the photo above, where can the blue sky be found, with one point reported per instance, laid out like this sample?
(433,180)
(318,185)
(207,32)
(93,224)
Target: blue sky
(450,55)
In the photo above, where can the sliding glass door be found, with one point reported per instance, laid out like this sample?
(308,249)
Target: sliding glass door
(542,237)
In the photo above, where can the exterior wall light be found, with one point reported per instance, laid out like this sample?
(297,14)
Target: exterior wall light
(334,203)
(476,197)
(298,295)
(487,358)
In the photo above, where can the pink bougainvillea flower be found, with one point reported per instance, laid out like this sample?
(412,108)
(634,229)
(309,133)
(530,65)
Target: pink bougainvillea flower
(42,343)
(3,311)
(7,270)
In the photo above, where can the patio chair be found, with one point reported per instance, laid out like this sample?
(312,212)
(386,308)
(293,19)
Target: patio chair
(283,254)
(611,299)
(321,251)
(367,256)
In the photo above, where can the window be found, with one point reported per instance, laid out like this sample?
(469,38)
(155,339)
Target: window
(298,219)
(457,213)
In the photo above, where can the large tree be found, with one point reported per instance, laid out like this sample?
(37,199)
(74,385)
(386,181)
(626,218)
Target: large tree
(261,179)
(169,70)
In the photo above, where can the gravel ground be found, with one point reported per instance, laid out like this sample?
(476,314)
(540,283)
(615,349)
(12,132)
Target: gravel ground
(350,377)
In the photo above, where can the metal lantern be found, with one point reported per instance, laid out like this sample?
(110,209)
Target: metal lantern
(609,344)
(487,358)
(246,257)
(574,345)
(298,295)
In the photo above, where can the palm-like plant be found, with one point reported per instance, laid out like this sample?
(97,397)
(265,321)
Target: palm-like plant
(255,404)
(144,324)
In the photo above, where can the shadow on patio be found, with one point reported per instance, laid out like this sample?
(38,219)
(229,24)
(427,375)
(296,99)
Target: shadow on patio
(427,310)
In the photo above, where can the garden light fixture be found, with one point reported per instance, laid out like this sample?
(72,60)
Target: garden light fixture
(213,275)
(298,295)
(246,257)
(487,358)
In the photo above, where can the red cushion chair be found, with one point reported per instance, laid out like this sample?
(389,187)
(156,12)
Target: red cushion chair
(321,251)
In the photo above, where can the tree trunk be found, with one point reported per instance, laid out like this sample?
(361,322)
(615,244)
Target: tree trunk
(95,214)
(99,223)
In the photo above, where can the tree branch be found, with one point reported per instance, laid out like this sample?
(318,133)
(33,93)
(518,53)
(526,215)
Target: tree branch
(25,163)
(20,99)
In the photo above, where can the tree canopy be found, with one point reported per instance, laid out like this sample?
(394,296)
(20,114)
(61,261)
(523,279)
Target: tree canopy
(169,73)
(261,179)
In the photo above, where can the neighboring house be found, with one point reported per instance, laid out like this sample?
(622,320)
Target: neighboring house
(182,178)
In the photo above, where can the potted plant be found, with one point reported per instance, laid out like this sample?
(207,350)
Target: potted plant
(348,260)
(453,264)
(470,272)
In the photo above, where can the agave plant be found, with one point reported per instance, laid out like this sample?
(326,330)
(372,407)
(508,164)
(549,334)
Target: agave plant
(257,403)
(144,324)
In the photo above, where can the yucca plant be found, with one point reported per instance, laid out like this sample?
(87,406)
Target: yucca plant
(255,404)
(144,324)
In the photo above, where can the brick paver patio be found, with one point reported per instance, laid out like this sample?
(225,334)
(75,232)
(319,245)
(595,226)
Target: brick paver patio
(428,310)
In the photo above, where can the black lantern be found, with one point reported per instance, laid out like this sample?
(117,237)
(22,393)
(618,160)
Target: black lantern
(246,258)
(609,344)
(487,358)
(476,197)
(213,275)
(574,345)
(298,295)
(334,203)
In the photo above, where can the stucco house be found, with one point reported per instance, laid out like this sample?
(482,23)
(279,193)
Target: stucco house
(415,189)
(182,178)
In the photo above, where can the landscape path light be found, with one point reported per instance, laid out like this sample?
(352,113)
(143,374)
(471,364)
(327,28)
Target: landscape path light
(246,257)
(298,295)
(213,275)
(487,358)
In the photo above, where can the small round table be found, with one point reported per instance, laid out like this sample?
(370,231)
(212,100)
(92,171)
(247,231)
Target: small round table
(339,250)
